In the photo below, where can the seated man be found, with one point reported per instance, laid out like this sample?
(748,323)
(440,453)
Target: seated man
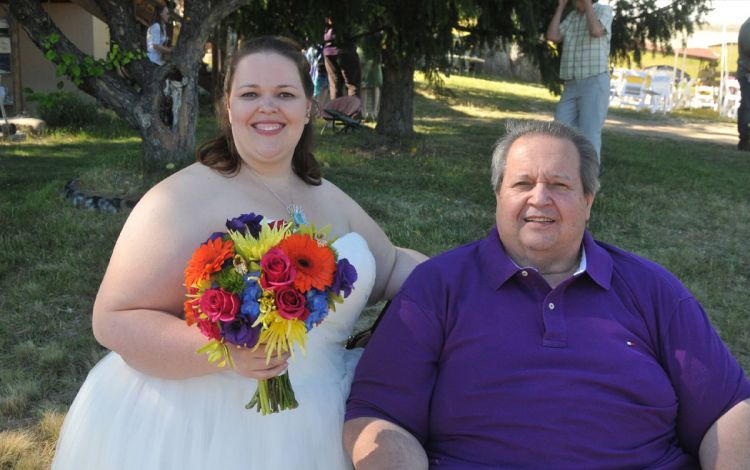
(539,347)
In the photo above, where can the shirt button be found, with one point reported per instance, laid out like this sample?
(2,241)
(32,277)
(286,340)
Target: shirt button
(524,273)
(551,306)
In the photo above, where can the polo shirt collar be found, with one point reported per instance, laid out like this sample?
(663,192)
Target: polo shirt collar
(497,266)
(598,261)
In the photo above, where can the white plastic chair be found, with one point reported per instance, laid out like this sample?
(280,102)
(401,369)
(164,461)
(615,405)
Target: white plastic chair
(615,84)
(659,92)
(704,97)
(632,89)
(681,94)
(731,100)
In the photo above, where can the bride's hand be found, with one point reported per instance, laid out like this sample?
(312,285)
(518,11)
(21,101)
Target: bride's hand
(253,363)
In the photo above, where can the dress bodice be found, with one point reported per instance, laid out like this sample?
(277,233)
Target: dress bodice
(324,342)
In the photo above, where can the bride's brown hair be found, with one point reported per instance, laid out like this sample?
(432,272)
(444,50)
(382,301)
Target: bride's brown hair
(221,154)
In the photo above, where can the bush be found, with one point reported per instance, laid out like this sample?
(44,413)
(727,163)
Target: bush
(64,109)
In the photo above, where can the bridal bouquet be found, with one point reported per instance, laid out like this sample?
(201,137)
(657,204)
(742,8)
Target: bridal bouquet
(264,283)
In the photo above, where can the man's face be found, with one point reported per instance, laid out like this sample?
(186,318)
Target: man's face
(579,5)
(541,209)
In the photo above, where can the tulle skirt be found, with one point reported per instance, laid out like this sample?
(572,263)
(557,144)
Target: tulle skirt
(124,419)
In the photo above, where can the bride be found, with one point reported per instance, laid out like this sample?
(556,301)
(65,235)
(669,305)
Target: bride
(153,403)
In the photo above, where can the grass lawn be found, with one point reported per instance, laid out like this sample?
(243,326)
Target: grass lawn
(680,203)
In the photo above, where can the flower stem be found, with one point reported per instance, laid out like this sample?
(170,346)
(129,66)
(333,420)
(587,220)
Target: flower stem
(273,395)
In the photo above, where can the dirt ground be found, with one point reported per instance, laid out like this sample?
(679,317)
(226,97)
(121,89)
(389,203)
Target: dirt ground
(705,131)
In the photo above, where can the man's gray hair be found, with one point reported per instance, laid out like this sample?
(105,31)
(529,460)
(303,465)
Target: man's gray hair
(517,129)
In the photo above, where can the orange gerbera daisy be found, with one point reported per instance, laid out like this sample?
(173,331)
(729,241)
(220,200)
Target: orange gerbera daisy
(315,264)
(207,259)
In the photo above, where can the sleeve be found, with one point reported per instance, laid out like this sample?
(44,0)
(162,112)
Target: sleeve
(706,377)
(604,13)
(396,375)
(565,25)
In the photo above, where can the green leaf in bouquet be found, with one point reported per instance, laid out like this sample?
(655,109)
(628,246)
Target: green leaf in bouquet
(231,281)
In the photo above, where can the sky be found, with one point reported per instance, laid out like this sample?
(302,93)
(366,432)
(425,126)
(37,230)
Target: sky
(734,12)
(731,13)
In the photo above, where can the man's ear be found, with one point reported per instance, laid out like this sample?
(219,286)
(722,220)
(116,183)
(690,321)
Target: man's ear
(589,203)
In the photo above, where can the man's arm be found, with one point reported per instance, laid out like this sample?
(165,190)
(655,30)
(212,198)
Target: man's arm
(553,30)
(596,29)
(377,444)
(726,445)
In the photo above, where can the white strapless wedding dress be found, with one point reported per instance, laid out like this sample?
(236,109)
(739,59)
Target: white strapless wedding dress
(124,419)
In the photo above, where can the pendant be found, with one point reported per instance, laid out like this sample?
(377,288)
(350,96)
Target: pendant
(297,215)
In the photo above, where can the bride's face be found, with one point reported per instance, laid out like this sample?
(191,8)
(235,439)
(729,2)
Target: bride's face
(268,110)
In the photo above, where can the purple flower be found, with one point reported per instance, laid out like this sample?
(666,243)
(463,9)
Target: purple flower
(240,332)
(317,305)
(246,222)
(346,276)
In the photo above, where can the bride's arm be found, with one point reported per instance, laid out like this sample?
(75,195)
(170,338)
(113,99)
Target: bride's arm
(405,261)
(393,263)
(140,301)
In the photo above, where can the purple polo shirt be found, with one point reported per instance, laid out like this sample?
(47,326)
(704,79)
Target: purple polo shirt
(617,367)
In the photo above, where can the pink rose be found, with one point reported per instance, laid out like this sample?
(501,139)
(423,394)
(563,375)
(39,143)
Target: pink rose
(291,304)
(277,269)
(219,304)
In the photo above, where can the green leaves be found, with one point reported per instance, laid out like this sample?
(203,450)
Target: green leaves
(69,65)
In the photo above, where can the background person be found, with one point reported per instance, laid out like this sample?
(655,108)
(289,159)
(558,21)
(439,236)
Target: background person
(342,62)
(743,76)
(372,80)
(153,403)
(584,66)
(157,37)
(540,347)
(319,76)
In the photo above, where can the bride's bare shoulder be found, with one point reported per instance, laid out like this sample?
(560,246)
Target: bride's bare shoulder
(187,193)
(194,182)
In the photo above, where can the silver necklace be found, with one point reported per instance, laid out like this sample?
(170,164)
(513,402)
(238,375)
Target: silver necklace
(294,210)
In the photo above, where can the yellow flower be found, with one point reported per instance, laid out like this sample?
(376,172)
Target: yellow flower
(253,249)
(281,335)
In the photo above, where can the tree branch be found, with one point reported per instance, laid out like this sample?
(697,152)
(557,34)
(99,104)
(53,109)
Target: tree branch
(110,89)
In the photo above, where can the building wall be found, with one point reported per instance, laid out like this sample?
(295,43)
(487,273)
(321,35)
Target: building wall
(100,38)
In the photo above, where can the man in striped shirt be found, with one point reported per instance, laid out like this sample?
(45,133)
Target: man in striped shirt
(584,66)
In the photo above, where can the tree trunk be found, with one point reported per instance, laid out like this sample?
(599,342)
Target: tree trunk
(163,143)
(396,116)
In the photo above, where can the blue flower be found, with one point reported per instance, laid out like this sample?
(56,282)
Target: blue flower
(215,235)
(250,307)
(240,331)
(346,276)
(246,222)
(317,305)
